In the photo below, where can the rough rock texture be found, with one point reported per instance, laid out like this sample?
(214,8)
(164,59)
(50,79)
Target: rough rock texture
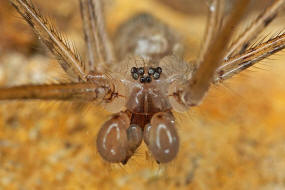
(234,140)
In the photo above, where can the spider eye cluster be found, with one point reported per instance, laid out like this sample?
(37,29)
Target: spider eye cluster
(146,77)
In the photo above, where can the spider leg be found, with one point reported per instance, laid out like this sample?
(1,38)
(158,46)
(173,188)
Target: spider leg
(256,26)
(68,59)
(238,63)
(87,91)
(214,23)
(192,93)
(98,44)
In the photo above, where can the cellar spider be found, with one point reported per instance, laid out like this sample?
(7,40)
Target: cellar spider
(141,77)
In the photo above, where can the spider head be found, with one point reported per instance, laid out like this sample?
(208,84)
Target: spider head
(149,96)
(153,87)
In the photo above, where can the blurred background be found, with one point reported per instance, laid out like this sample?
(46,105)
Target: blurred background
(234,140)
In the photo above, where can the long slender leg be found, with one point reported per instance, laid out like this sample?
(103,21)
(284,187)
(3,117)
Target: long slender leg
(263,20)
(238,63)
(73,91)
(100,49)
(193,92)
(68,59)
(89,38)
(214,23)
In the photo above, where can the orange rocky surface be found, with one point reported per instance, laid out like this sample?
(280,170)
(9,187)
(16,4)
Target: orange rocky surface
(234,140)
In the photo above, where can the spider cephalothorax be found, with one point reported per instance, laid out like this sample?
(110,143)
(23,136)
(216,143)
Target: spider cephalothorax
(141,77)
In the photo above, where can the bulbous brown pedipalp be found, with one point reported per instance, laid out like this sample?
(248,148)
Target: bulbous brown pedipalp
(134,135)
(161,137)
(112,141)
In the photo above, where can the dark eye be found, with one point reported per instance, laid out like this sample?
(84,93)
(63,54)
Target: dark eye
(112,140)
(161,137)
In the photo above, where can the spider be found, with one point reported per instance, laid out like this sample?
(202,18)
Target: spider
(141,76)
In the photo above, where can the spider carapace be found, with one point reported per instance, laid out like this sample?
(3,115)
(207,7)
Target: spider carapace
(141,77)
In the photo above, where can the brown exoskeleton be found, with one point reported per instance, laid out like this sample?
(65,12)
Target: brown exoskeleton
(141,77)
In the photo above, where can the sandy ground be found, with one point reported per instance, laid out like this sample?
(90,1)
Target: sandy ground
(234,140)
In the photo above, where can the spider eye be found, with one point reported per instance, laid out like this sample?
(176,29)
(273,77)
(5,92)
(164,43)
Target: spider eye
(161,137)
(112,140)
